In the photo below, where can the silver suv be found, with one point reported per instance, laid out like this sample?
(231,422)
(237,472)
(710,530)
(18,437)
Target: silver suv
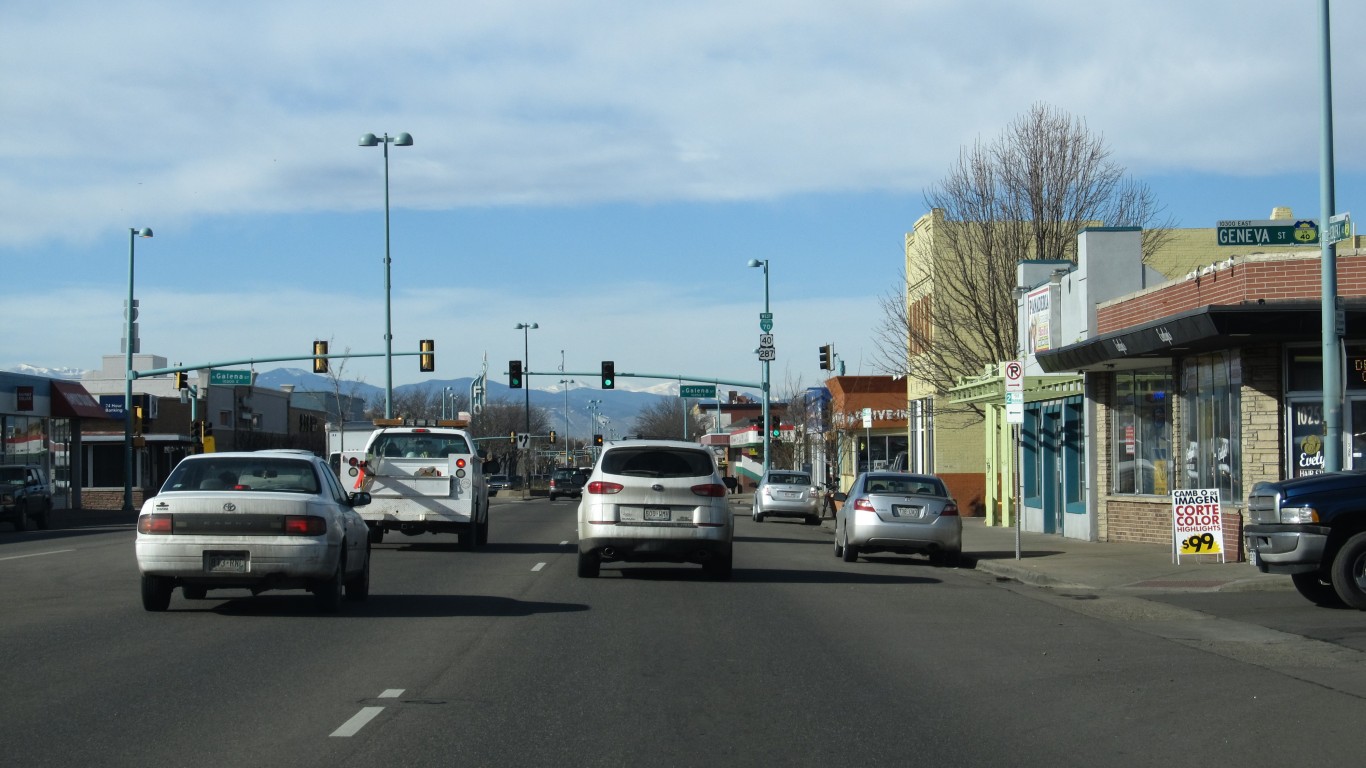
(655,501)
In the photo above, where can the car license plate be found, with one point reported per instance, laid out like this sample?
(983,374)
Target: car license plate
(225,562)
(905,510)
(656,513)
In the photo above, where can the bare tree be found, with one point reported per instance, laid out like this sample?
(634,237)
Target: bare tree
(499,420)
(669,419)
(1025,195)
(337,379)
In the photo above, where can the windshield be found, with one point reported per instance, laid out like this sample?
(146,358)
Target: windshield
(243,473)
(905,485)
(789,478)
(657,462)
(419,445)
(12,475)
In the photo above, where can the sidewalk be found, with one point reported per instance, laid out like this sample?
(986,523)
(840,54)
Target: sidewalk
(1047,560)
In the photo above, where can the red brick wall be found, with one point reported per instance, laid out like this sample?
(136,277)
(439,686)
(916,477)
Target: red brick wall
(1146,522)
(1248,279)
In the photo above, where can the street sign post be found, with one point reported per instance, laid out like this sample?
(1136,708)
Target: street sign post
(697,390)
(1339,228)
(1013,372)
(230,378)
(1245,232)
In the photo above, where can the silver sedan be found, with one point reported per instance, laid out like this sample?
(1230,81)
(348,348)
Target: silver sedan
(898,512)
(787,493)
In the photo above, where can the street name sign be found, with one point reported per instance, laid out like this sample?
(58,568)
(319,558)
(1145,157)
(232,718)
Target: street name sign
(1339,228)
(697,390)
(230,378)
(1245,232)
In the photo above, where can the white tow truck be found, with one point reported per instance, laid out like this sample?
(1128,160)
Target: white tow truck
(422,477)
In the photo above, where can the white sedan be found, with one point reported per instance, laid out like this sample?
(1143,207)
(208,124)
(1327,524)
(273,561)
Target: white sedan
(259,520)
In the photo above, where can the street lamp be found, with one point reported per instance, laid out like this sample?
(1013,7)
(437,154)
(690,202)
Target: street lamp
(767,438)
(565,383)
(131,313)
(401,140)
(526,329)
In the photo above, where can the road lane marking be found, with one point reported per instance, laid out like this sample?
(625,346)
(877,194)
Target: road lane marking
(357,721)
(538,567)
(564,543)
(391,693)
(37,554)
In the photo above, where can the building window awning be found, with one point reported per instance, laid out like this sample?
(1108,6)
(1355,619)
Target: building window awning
(1205,329)
(71,401)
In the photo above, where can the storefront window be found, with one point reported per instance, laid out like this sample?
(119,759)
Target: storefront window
(1141,432)
(1210,387)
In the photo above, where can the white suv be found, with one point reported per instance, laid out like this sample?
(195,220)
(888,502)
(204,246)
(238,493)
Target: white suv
(655,501)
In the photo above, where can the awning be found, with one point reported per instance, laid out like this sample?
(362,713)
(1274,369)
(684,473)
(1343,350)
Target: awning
(1200,330)
(71,401)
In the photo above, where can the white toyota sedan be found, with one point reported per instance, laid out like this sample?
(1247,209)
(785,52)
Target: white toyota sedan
(254,520)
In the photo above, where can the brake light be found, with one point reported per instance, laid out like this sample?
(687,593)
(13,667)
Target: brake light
(459,463)
(155,523)
(304,525)
(864,504)
(949,510)
(603,487)
(709,489)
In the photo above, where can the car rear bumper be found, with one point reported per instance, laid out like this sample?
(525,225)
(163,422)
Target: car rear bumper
(275,558)
(942,535)
(783,508)
(681,544)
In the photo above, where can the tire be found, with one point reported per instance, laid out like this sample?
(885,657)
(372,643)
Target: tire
(327,593)
(839,548)
(469,538)
(1349,572)
(758,515)
(590,564)
(552,497)
(194,592)
(376,535)
(1317,591)
(358,586)
(21,522)
(812,520)
(45,519)
(156,593)
(483,535)
(719,568)
(850,551)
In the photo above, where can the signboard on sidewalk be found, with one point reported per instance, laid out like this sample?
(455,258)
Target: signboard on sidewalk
(1197,523)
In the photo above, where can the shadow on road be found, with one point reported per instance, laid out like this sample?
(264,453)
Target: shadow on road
(1010,555)
(57,534)
(300,604)
(764,576)
(531,548)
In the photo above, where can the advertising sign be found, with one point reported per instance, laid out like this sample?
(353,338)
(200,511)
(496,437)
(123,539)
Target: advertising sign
(1197,523)
(1038,309)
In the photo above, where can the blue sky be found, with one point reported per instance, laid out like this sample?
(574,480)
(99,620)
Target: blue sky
(602,169)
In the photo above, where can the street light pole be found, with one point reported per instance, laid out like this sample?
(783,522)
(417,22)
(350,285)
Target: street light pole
(565,383)
(526,329)
(765,382)
(129,311)
(401,140)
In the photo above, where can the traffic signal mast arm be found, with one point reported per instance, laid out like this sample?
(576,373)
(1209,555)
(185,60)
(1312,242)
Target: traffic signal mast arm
(669,376)
(255,360)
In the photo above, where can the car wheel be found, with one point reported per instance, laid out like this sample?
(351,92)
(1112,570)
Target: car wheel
(469,538)
(812,520)
(327,593)
(590,563)
(719,568)
(194,592)
(839,548)
(1349,572)
(21,518)
(850,551)
(552,497)
(758,514)
(376,535)
(358,586)
(484,528)
(1316,590)
(156,592)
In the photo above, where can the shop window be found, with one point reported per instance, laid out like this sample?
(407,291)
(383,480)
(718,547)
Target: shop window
(1141,432)
(1210,396)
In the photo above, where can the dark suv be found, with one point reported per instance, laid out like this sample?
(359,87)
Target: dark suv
(25,496)
(567,481)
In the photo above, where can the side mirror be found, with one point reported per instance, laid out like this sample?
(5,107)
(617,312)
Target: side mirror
(360,498)
(840,496)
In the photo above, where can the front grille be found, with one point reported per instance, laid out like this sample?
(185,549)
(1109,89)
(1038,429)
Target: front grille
(1264,507)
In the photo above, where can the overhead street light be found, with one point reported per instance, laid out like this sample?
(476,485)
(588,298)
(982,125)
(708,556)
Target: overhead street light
(130,311)
(765,382)
(401,140)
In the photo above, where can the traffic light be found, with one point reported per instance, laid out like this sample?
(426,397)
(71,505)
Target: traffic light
(552,437)
(426,362)
(181,380)
(827,355)
(515,374)
(775,432)
(512,438)
(597,439)
(137,420)
(609,375)
(319,363)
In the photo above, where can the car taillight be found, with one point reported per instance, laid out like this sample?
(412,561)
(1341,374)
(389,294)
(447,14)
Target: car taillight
(304,525)
(949,510)
(600,486)
(155,523)
(709,489)
(459,463)
(864,504)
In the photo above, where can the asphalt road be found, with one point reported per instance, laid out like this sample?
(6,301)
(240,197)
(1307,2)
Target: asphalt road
(504,657)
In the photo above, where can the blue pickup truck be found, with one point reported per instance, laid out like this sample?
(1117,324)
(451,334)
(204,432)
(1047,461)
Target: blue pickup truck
(1313,529)
(25,496)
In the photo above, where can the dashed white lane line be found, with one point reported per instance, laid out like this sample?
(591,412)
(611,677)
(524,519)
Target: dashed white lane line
(37,554)
(365,715)
(564,543)
(357,721)
(537,567)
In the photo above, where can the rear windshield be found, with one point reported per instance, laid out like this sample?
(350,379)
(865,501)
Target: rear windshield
(789,478)
(657,462)
(419,445)
(904,485)
(243,473)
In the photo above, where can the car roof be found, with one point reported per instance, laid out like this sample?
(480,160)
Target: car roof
(653,443)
